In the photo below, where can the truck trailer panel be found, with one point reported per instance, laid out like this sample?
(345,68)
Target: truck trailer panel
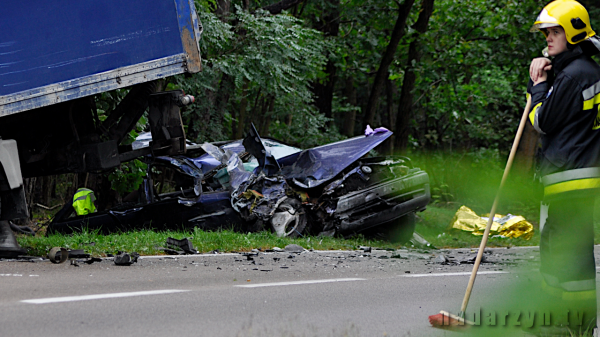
(51,52)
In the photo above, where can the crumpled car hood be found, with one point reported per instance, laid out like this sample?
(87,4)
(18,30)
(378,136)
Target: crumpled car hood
(313,167)
(206,162)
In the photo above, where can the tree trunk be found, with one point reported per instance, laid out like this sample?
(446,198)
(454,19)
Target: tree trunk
(46,191)
(350,118)
(70,191)
(280,6)
(238,128)
(267,116)
(258,114)
(223,10)
(408,84)
(254,117)
(386,60)
(29,187)
(387,147)
(324,91)
(226,86)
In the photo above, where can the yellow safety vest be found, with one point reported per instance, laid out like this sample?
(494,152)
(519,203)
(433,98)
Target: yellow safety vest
(83,201)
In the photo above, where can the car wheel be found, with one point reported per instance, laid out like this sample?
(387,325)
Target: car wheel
(400,230)
(289,219)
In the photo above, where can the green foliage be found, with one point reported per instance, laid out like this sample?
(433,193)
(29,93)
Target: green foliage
(107,102)
(273,56)
(128,176)
(441,194)
(474,72)
(306,130)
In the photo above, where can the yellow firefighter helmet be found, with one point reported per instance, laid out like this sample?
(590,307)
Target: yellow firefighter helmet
(568,14)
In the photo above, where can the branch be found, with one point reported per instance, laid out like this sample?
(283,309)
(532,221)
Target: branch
(282,5)
(489,38)
(386,60)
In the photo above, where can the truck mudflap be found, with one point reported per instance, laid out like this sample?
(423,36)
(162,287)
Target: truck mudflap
(13,204)
(9,161)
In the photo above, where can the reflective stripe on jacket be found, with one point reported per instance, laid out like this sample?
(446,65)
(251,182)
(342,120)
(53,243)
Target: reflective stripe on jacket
(83,201)
(572,180)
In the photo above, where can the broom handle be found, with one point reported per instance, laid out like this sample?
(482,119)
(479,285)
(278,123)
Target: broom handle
(486,233)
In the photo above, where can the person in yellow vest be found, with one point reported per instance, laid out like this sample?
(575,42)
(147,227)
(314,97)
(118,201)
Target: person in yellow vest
(84,201)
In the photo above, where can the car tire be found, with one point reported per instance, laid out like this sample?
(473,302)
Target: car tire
(293,225)
(400,230)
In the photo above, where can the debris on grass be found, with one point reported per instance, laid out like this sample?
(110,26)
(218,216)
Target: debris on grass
(509,226)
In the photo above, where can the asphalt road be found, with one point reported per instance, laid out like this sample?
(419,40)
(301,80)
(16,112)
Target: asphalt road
(351,293)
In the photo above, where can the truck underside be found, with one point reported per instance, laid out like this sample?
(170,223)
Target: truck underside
(70,138)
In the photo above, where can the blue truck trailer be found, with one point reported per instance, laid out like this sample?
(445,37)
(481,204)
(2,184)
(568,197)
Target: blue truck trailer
(56,56)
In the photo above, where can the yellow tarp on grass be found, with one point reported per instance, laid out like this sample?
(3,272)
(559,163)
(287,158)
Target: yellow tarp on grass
(512,226)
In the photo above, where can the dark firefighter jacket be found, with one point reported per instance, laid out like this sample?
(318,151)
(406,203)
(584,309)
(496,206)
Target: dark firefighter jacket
(565,111)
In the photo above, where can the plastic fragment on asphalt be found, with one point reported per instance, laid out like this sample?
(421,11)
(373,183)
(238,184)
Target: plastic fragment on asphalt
(294,248)
(92,260)
(510,226)
(442,259)
(126,259)
(472,260)
(418,241)
(365,249)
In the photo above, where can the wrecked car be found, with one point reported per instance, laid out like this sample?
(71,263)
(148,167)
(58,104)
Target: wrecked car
(263,184)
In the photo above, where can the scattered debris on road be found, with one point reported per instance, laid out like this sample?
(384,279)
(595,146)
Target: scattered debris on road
(126,259)
(294,248)
(58,255)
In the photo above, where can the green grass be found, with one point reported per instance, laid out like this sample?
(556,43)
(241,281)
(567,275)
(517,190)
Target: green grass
(150,242)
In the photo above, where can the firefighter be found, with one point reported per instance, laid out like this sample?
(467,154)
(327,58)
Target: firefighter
(565,94)
(84,201)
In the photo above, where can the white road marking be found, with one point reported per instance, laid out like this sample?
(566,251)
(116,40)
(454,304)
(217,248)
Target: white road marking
(100,296)
(291,283)
(455,274)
